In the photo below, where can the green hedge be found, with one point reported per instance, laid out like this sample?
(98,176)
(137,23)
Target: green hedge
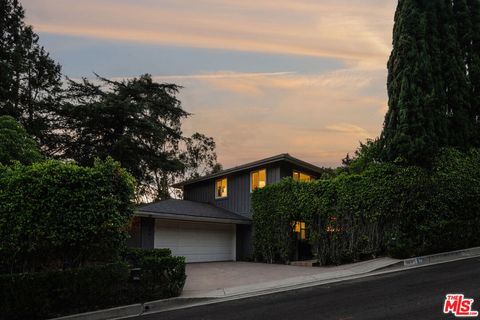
(387,208)
(162,275)
(53,293)
(48,294)
(60,215)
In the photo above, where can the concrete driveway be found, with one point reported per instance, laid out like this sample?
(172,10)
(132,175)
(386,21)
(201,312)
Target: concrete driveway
(217,279)
(218,275)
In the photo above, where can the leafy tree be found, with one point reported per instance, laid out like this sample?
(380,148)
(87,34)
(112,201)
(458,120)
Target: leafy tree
(138,123)
(368,153)
(199,157)
(16,144)
(30,81)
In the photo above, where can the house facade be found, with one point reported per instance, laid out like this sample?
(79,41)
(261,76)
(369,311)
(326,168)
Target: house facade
(213,221)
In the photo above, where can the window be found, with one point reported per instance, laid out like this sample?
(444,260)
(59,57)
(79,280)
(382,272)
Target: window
(302,177)
(300,229)
(258,179)
(221,188)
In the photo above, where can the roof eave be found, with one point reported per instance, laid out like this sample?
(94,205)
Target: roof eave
(170,216)
(282,157)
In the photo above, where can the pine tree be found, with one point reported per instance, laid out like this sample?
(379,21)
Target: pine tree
(30,81)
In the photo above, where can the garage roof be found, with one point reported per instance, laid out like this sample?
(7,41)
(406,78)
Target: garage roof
(191,211)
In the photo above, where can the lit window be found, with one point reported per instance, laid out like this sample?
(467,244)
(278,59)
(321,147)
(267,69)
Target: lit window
(300,229)
(221,188)
(302,177)
(259,179)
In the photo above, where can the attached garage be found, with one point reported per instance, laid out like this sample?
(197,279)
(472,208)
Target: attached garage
(200,232)
(196,241)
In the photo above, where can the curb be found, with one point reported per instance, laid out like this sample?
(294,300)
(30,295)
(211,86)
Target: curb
(112,313)
(180,303)
(433,258)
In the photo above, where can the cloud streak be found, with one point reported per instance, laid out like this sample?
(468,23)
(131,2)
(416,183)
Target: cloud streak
(356,31)
(318,117)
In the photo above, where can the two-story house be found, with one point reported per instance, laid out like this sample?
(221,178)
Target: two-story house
(213,222)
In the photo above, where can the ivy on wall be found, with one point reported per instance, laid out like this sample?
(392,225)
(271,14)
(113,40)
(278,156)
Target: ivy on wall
(386,209)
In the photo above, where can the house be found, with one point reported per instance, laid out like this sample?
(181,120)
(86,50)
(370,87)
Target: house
(213,222)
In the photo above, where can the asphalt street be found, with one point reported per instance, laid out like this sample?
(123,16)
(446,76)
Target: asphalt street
(413,294)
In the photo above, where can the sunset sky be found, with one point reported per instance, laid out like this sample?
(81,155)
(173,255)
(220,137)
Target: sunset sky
(262,77)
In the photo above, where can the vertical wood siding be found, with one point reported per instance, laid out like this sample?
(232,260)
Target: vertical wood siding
(239,195)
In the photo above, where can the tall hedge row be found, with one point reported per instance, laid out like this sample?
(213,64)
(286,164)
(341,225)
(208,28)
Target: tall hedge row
(388,208)
(47,294)
(60,215)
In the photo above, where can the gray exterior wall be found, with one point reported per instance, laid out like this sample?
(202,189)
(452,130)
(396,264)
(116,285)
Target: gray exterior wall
(239,195)
(238,185)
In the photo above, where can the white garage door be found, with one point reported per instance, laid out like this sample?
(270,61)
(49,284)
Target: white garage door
(196,241)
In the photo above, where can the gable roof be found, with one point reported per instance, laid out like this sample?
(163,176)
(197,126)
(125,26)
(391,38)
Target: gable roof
(191,211)
(278,158)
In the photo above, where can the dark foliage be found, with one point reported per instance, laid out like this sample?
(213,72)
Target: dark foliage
(30,81)
(434,75)
(61,215)
(16,144)
(54,293)
(400,210)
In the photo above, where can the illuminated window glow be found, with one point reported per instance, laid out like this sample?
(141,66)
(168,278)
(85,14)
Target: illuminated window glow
(300,228)
(258,179)
(221,188)
(302,177)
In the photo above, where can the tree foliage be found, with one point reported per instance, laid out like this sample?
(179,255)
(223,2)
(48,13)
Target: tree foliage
(138,123)
(135,121)
(16,144)
(30,81)
(433,80)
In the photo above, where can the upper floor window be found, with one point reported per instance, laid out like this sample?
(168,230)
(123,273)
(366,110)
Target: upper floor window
(302,177)
(258,179)
(221,188)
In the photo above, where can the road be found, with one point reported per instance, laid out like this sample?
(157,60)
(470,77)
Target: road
(413,294)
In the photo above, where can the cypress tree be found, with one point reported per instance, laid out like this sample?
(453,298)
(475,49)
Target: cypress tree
(454,28)
(409,128)
(433,79)
(473,54)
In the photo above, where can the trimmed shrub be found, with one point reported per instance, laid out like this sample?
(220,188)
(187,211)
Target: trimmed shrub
(48,294)
(135,256)
(162,275)
(53,293)
(61,215)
